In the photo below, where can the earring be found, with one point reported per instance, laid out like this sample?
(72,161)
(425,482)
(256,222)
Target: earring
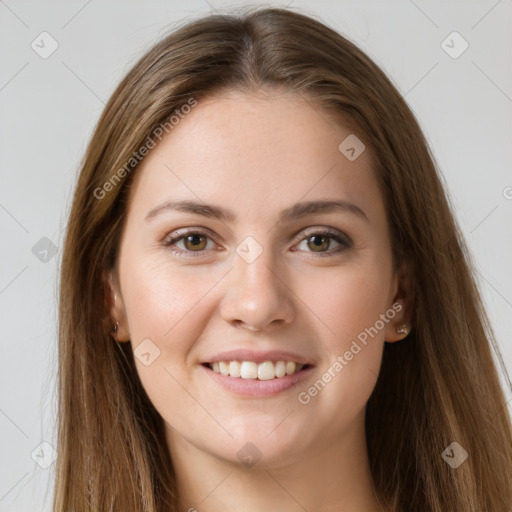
(114,330)
(402,329)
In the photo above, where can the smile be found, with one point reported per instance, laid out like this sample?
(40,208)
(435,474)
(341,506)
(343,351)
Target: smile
(266,370)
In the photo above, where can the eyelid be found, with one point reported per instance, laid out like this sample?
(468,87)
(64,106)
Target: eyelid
(304,233)
(180,234)
(335,234)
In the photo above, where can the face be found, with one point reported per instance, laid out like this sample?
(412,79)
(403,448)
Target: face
(253,275)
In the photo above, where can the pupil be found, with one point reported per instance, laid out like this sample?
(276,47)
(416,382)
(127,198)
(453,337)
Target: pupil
(194,240)
(318,241)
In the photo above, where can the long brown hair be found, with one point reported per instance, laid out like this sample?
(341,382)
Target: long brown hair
(437,387)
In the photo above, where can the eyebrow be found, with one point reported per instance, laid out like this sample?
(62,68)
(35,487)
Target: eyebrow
(294,212)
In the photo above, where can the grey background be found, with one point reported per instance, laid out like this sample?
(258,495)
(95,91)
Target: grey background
(48,108)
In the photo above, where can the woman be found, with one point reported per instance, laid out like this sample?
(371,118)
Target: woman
(265,300)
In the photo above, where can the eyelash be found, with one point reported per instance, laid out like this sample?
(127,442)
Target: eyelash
(169,241)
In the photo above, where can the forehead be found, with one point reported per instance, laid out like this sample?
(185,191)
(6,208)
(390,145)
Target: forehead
(254,152)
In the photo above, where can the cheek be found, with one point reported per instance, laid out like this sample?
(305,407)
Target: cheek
(167,310)
(347,300)
(163,303)
(172,307)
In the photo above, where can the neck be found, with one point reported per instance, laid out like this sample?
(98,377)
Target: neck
(321,477)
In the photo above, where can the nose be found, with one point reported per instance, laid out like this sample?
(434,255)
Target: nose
(258,297)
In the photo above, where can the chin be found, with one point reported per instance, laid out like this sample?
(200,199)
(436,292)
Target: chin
(262,446)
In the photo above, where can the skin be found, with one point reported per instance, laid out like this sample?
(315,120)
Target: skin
(257,155)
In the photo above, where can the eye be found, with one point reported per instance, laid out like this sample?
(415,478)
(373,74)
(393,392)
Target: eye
(320,240)
(195,242)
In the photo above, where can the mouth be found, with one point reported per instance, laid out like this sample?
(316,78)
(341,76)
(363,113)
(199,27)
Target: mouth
(250,370)
(250,380)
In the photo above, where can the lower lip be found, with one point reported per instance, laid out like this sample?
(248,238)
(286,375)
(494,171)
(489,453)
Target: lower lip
(258,388)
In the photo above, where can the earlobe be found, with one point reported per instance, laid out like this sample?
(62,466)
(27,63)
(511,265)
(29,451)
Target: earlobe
(397,329)
(114,307)
(402,329)
(120,334)
(403,303)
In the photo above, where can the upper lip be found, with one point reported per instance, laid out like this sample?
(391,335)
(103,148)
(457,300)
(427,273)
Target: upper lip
(258,356)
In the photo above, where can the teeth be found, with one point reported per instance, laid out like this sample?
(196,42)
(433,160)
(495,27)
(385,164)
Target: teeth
(224,367)
(267,370)
(249,370)
(235,369)
(280,369)
(290,368)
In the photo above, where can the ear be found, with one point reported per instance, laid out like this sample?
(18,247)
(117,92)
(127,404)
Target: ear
(402,304)
(114,305)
